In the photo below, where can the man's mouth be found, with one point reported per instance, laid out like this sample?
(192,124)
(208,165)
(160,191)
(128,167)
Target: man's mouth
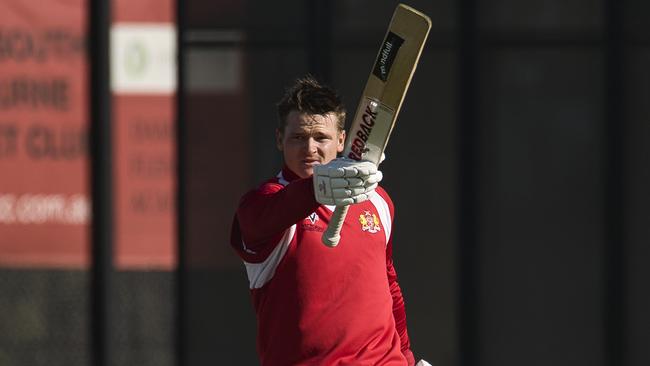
(311,162)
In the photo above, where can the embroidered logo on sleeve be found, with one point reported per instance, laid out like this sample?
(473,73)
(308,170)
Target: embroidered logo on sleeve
(309,223)
(369,222)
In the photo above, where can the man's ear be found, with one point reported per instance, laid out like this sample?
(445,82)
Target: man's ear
(278,139)
(341,141)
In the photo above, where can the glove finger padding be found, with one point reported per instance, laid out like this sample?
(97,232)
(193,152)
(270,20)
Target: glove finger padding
(351,200)
(374,178)
(343,201)
(365,168)
(347,182)
(347,192)
(355,191)
(370,188)
(344,181)
(360,198)
(344,167)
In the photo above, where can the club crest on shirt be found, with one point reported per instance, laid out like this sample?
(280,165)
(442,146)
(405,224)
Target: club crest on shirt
(369,222)
(313,218)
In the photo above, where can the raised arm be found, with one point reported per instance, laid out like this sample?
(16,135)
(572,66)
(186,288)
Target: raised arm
(267,212)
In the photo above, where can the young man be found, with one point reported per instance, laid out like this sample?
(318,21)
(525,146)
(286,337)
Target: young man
(317,305)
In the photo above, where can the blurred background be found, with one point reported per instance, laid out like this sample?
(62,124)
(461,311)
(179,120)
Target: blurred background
(129,130)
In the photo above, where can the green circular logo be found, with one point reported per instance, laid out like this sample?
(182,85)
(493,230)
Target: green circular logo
(135,59)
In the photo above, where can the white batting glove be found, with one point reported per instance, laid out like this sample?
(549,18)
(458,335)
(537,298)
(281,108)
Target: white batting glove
(344,181)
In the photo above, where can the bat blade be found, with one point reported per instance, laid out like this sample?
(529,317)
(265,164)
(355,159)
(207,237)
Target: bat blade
(382,96)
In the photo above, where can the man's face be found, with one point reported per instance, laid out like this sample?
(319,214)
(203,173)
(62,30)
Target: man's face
(309,140)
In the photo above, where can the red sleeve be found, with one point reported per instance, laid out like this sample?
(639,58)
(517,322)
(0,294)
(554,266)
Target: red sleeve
(399,309)
(264,214)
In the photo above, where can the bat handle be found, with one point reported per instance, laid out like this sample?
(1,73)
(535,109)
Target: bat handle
(332,235)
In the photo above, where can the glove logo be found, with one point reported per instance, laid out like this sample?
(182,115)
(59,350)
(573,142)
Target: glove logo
(322,186)
(369,222)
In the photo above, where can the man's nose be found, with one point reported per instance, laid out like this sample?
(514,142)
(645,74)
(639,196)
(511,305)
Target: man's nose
(310,144)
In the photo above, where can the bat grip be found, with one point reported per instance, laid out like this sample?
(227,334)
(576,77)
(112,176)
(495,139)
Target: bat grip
(332,235)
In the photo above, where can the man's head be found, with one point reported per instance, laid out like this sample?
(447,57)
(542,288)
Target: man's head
(311,126)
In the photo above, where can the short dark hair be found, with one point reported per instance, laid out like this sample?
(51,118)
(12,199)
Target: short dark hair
(310,97)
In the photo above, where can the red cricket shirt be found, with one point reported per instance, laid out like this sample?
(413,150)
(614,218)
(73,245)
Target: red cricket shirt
(317,305)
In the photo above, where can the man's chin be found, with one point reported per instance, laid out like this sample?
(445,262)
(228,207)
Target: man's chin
(302,171)
(306,172)
(307,169)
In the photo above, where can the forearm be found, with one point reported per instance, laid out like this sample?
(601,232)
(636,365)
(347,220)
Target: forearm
(265,214)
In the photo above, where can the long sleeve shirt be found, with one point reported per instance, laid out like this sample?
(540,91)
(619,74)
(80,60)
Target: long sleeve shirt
(317,305)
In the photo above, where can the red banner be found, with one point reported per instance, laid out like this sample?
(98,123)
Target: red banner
(44,210)
(143,76)
(44,205)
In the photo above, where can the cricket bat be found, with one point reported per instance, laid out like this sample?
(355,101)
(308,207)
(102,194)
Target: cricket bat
(382,97)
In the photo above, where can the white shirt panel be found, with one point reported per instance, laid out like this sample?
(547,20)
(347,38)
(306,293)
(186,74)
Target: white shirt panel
(384,213)
(261,273)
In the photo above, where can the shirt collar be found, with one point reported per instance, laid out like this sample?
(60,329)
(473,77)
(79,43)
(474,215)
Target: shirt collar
(288,174)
